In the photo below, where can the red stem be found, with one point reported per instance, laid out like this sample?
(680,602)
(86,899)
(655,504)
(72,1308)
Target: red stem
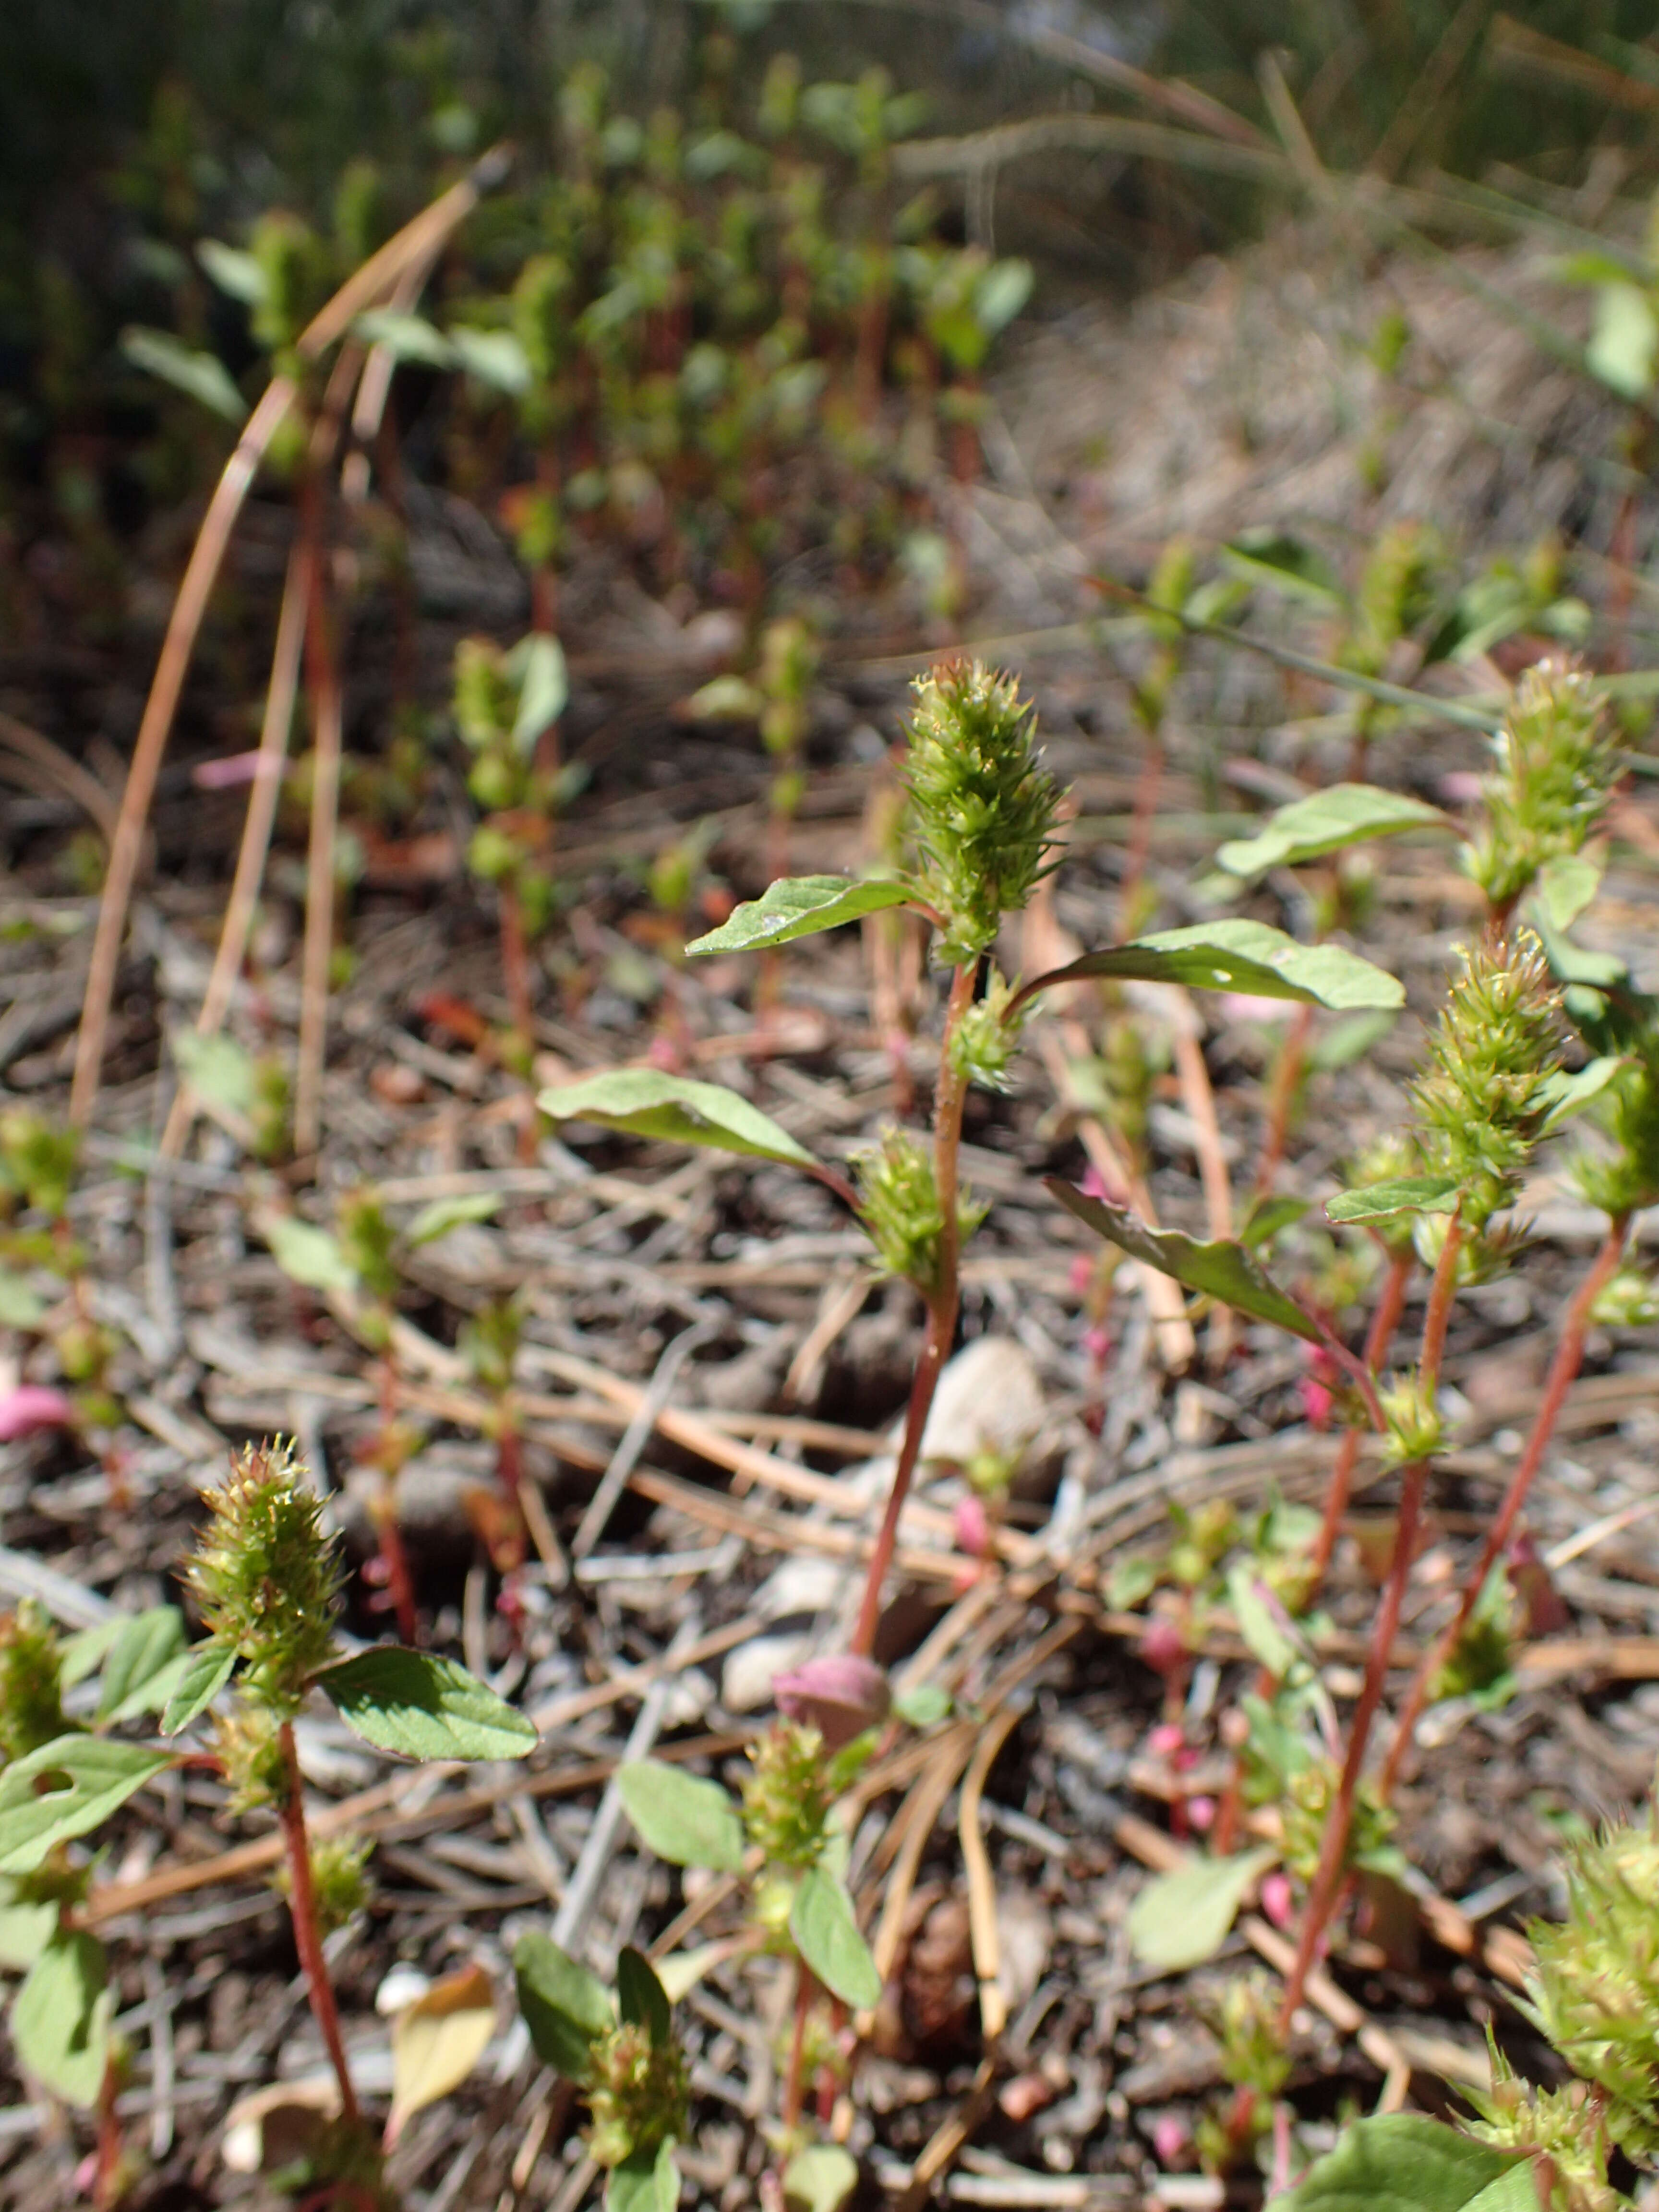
(1436,1320)
(942,1306)
(105,2187)
(1321,1897)
(1384,1321)
(515,961)
(302,1909)
(794,2086)
(1564,1367)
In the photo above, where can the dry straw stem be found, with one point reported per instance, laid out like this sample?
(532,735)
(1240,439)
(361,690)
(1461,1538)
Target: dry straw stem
(37,765)
(415,243)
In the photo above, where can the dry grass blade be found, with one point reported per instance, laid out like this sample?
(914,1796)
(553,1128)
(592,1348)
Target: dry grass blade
(415,243)
(982,1883)
(327,731)
(46,768)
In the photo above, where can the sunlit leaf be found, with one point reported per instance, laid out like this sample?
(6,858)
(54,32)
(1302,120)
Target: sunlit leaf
(437,2041)
(143,1650)
(1269,1646)
(406,337)
(643,1102)
(1220,1270)
(799,905)
(820,2178)
(426,1707)
(1184,1916)
(217,1069)
(537,665)
(684,1818)
(1381,1201)
(923,1706)
(1246,956)
(493,357)
(21,1306)
(565,2008)
(444,1214)
(827,1936)
(681,1971)
(235,271)
(61,2017)
(208,1667)
(63,1789)
(1565,886)
(1570,1093)
(307,1254)
(200,376)
(1403,2163)
(1624,344)
(1325,822)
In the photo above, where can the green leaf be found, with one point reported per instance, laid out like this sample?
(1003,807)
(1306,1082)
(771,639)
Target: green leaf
(493,357)
(25,1932)
(1184,1916)
(208,1667)
(1257,1623)
(681,1817)
(235,272)
(143,1649)
(1267,1215)
(444,1214)
(827,1936)
(923,1706)
(1403,2163)
(799,906)
(85,1778)
(84,1654)
(642,1999)
(681,1971)
(649,2181)
(61,2017)
(1569,1094)
(425,1707)
(1222,1270)
(308,1255)
(565,2008)
(820,2178)
(406,337)
(1286,564)
(1246,956)
(641,1102)
(1325,822)
(1625,343)
(202,377)
(536,665)
(20,1306)
(1381,1201)
(1565,886)
(217,1070)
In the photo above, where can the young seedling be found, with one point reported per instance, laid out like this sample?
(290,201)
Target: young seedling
(266,1577)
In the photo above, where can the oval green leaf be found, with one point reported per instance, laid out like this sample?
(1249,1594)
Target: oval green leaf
(444,1214)
(536,665)
(820,2178)
(60,2018)
(1381,1201)
(1403,2163)
(681,1817)
(642,1101)
(425,1707)
(827,1936)
(1220,1270)
(1325,822)
(565,2008)
(207,1669)
(307,1254)
(1246,956)
(200,376)
(640,1997)
(1184,1916)
(145,1646)
(85,1778)
(799,906)
(649,2181)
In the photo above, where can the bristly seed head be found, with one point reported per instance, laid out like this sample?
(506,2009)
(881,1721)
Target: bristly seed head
(31,1682)
(982,806)
(267,1576)
(1555,769)
(899,1205)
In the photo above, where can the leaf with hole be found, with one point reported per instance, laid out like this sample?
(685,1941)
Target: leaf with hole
(1403,2163)
(642,1101)
(437,2041)
(1245,957)
(208,1667)
(1183,1917)
(642,1999)
(827,1936)
(200,376)
(307,1254)
(444,1214)
(649,2181)
(565,2008)
(144,1648)
(61,2015)
(425,1707)
(820,2178)
(801,906)
(63,1789)
(1382,1201)
(1328,822)
(1220,1270)
(681,1817)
